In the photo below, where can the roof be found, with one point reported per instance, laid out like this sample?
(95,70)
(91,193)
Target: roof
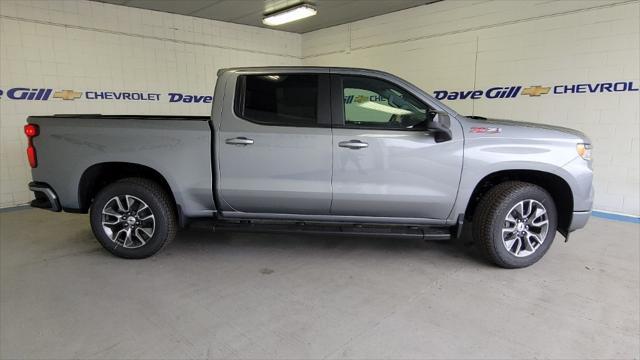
(321,69)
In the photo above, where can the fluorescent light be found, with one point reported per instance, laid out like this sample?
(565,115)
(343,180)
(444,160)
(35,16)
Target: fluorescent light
(289,15)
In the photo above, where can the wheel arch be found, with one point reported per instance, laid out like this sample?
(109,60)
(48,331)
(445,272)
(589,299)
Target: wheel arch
(557,187)
(97,176)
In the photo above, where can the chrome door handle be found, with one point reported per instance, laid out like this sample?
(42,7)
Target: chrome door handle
(353,144)
(239,141)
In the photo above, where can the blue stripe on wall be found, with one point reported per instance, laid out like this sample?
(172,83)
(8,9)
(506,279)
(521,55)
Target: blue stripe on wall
(614,216)
(15,208)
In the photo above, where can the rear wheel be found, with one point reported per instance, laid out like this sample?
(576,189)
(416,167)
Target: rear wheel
(133,218)
(515,224)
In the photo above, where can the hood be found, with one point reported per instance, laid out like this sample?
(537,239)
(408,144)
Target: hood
(478,120)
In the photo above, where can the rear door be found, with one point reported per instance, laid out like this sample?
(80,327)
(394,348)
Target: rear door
(275,153)
(382,165)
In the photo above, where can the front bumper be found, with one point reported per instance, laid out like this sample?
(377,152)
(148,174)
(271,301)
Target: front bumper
(579,220)
(45,197)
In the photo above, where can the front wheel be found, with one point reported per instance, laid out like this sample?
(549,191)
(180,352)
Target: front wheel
(133,218)
(515,224)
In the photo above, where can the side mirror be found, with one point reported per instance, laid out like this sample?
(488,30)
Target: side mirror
(440,126)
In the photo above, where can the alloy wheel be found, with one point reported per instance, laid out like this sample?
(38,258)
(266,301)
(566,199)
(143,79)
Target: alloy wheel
(525,228)
(128,221)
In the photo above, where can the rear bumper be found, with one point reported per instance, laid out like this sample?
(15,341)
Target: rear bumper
(45,197)
(579,220)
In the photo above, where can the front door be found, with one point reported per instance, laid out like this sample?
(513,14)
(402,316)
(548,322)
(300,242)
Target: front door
(381,165)
(275,146)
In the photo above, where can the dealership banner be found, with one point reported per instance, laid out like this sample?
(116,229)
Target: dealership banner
(496,92)
(508,92)
(43,94)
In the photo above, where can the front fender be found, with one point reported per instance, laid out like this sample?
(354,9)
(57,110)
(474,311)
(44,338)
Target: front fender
(484,157)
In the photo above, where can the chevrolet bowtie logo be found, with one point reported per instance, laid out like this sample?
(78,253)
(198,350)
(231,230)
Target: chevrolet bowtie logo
(67,95)
(536,90)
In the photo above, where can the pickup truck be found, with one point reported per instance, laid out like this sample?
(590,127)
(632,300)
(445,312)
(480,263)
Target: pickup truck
(315,150)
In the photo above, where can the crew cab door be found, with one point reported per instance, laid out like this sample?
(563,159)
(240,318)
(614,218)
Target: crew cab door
(274,145)
(385,162)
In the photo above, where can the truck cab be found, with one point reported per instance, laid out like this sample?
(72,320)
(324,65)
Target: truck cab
(317,142)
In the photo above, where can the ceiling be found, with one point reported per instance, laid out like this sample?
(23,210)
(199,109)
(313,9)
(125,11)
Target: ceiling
(250,12)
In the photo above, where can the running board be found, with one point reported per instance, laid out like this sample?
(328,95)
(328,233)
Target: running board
(330,228)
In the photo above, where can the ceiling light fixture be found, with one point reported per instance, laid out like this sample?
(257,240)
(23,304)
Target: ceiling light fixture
(288,15)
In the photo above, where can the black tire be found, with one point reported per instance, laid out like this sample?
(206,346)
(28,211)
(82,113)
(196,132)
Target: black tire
(489,219)
(158,202)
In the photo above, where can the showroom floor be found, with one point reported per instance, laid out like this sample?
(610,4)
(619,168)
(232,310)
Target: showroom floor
(278,296)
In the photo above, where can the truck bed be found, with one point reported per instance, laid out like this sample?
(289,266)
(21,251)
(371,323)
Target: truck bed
(125,117)
(70,148)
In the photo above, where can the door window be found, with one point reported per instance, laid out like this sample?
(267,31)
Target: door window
(278,99)
(376,104)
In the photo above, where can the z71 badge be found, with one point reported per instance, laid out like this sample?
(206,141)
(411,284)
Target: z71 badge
(485,130)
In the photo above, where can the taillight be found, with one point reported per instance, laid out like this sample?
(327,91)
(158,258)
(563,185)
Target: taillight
(31,131)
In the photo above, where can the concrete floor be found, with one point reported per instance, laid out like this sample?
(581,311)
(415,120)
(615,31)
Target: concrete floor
(278,296)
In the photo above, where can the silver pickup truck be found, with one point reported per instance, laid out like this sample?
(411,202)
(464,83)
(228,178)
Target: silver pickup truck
(315,150)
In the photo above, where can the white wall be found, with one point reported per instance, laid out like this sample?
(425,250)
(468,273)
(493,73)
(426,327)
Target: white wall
(82,46)
(449,45)
(478,44)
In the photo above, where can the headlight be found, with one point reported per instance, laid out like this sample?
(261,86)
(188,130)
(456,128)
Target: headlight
(584,150)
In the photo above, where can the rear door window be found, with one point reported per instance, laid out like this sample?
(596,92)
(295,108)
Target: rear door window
(278,99)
